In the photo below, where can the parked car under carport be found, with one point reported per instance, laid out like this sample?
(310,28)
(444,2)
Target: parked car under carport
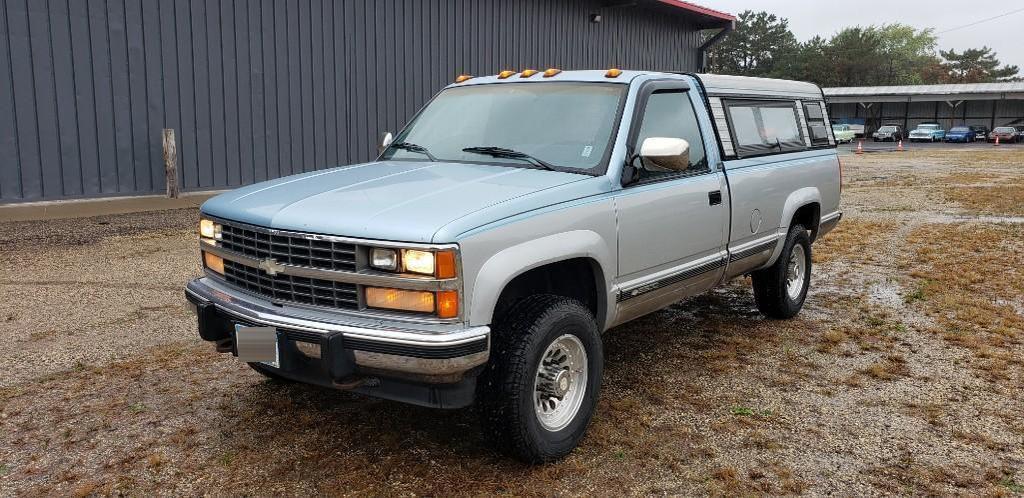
(962,134)
(1005,134)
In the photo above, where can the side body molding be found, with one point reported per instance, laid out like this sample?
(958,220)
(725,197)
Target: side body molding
(513,261)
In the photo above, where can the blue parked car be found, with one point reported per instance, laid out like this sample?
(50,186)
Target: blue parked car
(961,134)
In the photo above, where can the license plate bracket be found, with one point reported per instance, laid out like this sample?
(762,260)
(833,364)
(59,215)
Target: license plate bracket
(257,345)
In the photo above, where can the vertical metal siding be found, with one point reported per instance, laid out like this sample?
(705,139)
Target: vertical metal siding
(263,88)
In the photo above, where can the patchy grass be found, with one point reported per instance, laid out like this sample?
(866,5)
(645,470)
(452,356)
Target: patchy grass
(970,277)
(914,390)
(999,200)
(852,240)
(891,367)
(1012,485)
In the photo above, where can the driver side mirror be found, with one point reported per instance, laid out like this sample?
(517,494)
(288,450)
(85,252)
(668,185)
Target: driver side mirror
(672,154)
(657,154)
(385,140)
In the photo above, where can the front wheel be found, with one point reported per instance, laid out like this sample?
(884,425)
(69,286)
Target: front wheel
(539,390)
(780,289)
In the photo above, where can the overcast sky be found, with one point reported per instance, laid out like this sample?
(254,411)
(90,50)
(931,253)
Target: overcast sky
(808,18)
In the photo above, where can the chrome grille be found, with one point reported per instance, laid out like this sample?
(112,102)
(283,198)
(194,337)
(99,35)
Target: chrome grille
(288,249)
(291,288)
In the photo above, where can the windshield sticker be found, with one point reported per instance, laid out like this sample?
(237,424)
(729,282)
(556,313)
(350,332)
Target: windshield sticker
(587,150)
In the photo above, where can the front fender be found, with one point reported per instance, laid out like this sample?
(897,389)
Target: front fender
(513,261)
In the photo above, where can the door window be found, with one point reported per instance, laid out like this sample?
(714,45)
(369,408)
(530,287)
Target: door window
(670,114)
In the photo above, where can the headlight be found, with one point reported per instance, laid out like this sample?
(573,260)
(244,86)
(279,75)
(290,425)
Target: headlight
(208,229)
(440,264)
(418,261)
(384,259)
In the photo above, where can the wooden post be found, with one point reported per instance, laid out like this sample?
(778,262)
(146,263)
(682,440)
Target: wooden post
(171,163)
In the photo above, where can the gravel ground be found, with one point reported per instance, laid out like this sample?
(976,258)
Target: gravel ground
(903,375)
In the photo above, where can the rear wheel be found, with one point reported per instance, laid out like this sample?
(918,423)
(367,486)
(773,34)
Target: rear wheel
(780,290)
(539,390)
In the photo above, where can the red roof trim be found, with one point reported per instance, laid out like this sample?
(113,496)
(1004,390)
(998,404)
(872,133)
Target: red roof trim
(697,9)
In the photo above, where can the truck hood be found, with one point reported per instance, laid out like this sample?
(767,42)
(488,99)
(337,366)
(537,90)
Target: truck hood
(407,201)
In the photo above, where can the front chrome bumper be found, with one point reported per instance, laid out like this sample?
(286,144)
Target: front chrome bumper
(433,350)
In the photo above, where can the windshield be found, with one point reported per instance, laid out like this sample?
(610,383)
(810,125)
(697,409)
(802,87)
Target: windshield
(887,128)
(565,125)
(928,127)
(840,127)
(1004,129)
(960,129)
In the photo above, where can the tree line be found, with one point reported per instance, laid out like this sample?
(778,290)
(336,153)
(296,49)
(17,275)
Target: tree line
(890,54)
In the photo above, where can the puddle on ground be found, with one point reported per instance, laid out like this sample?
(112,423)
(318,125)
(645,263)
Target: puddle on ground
(963,218)
(1017,305)
(887,294)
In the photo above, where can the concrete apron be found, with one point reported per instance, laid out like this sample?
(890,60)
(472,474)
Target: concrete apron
(51,210)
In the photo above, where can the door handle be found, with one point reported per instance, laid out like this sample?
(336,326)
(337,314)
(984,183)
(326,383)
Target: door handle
(715,198)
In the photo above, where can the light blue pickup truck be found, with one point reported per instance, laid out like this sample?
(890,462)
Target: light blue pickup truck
(514,220)
(927,132)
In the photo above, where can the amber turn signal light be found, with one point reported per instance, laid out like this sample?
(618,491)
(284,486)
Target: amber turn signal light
(397,299)
(213,262)
(447,304)
(444,264)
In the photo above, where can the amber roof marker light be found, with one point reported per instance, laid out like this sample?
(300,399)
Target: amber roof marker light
(505,74)
(613,73)
(528,72)
(551,72)
(463,77)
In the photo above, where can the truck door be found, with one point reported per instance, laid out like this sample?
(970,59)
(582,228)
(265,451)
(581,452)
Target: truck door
(671,222)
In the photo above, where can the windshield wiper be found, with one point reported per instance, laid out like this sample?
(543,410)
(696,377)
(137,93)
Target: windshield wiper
(411,147)
(510,154)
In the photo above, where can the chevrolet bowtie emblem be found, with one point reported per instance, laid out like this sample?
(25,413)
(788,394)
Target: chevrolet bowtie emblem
(271,266)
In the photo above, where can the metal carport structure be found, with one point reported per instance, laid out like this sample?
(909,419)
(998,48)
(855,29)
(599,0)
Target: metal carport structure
(987,104)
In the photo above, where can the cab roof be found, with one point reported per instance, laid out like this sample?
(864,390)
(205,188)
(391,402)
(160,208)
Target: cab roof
(724,85)
(714,84)
(585,76)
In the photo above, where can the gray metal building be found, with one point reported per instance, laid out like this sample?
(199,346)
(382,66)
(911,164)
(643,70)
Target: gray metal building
(264,88)
(985,104)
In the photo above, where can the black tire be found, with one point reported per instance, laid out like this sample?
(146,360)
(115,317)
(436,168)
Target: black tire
(268,373)
(770,284)
(505,389)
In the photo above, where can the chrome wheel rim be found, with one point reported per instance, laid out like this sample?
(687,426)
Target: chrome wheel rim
(796,272)
(560,383)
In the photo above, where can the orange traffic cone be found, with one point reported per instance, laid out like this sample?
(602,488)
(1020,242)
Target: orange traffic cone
(997,141)
(899,146)
(860,147)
